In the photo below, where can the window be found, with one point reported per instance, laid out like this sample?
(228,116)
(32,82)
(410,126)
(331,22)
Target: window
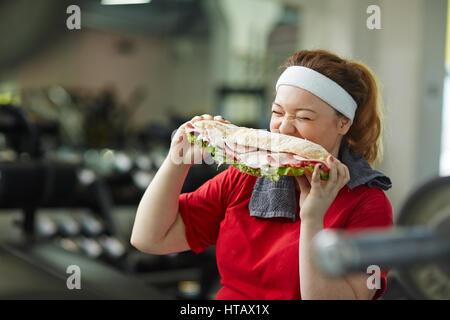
(445,141)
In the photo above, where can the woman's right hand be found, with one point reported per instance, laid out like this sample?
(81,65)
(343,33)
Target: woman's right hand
(182,152)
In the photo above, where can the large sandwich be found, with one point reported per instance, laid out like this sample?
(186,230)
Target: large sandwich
(258,152)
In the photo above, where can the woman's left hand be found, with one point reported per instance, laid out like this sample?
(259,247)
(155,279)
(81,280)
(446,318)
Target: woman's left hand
(316,196)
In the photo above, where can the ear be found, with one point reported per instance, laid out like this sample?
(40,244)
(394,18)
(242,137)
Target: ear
(343,125)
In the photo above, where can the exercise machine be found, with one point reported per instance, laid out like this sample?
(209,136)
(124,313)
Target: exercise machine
(417,249)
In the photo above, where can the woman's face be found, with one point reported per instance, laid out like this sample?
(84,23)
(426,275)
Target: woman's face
(299,113)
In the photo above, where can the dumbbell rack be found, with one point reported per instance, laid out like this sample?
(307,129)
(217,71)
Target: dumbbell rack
(33,184)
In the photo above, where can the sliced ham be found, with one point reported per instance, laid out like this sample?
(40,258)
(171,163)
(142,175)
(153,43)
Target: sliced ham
(306,162)
(255,160)
(262,158)
(283,160)
(229,153)
(190,128)
(240,149)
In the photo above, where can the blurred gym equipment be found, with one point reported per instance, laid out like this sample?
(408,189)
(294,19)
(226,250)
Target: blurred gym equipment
(230,102)
(35,179)
(418,249)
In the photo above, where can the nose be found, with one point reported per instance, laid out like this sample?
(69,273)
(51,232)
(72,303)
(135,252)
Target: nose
(287,126)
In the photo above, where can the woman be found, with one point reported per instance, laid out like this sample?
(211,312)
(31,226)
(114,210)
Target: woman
(270,257)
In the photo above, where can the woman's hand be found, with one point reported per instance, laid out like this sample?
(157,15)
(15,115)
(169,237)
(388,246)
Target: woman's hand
(316,196)
(182,152)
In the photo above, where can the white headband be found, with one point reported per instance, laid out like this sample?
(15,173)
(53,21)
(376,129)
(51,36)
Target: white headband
(321,86)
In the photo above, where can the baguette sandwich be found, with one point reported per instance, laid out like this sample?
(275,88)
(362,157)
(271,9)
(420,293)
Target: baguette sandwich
(258,152)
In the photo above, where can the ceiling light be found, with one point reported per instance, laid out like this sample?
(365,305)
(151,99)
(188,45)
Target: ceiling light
(120,2)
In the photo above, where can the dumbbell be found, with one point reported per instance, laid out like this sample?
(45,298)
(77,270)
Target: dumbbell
(68,227)
(112,247)
(45,227)
(90,226)
(91,247)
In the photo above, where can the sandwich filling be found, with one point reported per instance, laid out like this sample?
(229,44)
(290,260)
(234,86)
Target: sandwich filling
(255,161)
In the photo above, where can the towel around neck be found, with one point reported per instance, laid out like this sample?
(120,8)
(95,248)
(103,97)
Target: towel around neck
(278,199)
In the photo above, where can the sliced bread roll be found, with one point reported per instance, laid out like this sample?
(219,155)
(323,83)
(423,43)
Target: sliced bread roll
(262,139)
(276,142)
(239,146)
(225,128)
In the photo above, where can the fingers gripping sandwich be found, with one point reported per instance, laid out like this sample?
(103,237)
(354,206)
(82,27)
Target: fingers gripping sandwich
(258,152)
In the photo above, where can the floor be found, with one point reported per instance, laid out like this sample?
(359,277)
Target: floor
(26,272)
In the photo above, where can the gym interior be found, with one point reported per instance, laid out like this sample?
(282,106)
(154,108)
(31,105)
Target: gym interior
(91,93)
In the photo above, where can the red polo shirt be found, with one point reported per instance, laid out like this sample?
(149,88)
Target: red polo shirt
(258,258)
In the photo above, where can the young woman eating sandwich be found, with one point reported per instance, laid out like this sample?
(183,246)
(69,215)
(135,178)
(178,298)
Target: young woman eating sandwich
(262,229)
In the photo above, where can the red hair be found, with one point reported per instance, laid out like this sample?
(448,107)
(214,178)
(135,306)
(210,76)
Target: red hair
(365,134)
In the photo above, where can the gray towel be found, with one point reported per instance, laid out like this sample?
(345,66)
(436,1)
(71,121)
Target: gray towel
(278,199)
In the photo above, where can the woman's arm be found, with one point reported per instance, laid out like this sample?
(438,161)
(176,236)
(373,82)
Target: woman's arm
(314,285)
(158,226)
(315,198)
(158,212)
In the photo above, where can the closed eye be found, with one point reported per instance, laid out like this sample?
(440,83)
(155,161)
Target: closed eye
(279,113)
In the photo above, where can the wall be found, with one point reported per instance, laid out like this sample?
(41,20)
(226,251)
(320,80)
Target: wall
(174,72)
(407,55)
